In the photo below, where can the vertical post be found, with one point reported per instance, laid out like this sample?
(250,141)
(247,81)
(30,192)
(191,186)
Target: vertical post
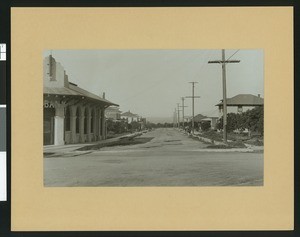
(224,97)
(81,124)
(182,99)
(59,125)
(193,99)
(99,124)
(193,103)
(73,123)
(89,120)
(94,114)
(178,120)
(174,118)
(223,62)
(103,124)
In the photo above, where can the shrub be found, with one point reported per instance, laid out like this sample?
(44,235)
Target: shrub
(252,120)
(205,126)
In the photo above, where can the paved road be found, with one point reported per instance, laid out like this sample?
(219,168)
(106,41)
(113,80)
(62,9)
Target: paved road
(169,159)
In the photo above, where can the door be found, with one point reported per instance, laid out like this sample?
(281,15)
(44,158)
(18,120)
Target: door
(49,114)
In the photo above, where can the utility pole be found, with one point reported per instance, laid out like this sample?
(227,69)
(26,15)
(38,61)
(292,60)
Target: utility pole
(178,120)
(224,62)
(174,118)
(182,106)
(193,103)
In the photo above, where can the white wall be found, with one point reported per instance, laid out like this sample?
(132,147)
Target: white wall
(54,73)
(234,109)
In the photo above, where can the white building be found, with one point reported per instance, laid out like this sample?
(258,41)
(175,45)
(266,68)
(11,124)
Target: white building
(113,113)
(130,117)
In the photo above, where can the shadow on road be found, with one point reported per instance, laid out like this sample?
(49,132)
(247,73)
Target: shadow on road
(121,142)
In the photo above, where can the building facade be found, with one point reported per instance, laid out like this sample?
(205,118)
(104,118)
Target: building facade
(130,117)
(206,118)
(113,113)
(71,114)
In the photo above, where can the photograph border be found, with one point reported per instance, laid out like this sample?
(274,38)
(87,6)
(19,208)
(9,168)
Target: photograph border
(69,233)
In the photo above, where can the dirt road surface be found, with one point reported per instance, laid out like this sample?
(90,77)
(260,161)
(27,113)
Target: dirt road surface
(169,159)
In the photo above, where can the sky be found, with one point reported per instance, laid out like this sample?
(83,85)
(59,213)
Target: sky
(151,82)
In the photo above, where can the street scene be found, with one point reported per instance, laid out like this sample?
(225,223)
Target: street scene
(134,118)
(170,158)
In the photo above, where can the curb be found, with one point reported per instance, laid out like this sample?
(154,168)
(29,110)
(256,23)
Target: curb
(248,147)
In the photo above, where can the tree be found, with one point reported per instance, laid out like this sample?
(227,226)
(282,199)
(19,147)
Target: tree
(135,126)
(116,126)
(253,120)
(232,122)
(205,126)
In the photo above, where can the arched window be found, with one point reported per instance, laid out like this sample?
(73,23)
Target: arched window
(85,120)
(67,119)
(77,120)
(92,121)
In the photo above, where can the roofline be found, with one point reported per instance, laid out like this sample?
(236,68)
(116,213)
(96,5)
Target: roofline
(81,90)
(103,101)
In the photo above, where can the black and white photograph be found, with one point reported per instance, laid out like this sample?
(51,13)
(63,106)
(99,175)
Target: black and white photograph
(153,117)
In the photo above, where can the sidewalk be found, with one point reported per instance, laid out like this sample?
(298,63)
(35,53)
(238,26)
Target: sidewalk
(72,149)
(247,148)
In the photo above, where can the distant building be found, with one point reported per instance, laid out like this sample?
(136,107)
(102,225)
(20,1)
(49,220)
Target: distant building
(130,117)
(206,118)
(241,103)
(71,114)
(213,117)
(198,118)
(113,113)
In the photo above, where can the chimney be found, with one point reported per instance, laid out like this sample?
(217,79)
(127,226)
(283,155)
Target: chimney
(103,95)
(258,95)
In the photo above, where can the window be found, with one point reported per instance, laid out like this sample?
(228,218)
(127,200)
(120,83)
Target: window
(77,120)
(85,121)
(240,109)
(220,109)
(92,122)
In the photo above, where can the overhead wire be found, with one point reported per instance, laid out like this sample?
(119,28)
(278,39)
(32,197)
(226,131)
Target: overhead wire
(232,55)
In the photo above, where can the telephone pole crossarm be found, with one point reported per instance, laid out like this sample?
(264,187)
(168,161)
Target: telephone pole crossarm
(228,61)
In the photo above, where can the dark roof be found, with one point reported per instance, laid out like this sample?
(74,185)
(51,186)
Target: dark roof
(75,91)
(129,114)
(199,117)
(244,99)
